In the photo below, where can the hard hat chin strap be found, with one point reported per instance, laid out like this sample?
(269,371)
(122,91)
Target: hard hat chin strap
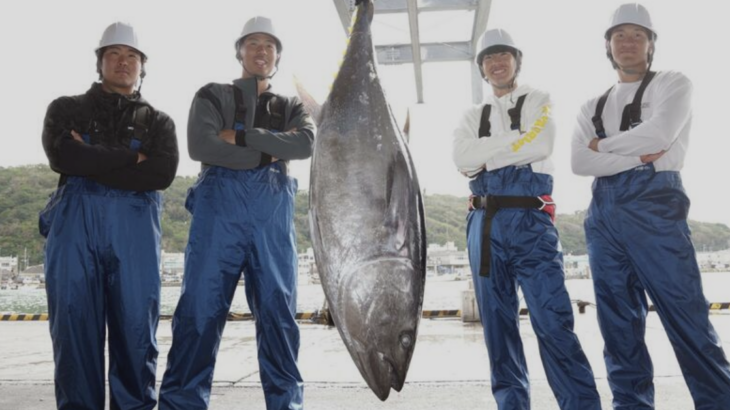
(258,77)
(616,66)
(507,86)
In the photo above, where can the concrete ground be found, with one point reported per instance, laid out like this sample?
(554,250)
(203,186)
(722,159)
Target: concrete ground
(449,369)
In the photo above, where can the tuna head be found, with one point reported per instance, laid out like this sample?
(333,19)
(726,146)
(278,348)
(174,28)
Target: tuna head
(379,316)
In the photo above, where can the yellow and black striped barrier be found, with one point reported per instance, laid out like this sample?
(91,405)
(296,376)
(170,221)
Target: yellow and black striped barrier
(235,317)
(316,316)
(713,306)
(323,317)
(22,317)
(438,314)
(434,314)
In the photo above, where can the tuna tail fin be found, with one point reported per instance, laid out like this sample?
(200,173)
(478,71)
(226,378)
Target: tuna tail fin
(368,6)
(311,106)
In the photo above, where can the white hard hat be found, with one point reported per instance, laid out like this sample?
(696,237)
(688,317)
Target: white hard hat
(631,13)
(259,24)
(120,34)
(492,38)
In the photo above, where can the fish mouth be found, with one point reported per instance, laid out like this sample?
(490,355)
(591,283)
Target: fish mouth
(380,373)
(396,379)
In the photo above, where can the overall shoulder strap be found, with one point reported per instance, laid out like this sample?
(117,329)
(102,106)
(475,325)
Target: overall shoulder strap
(87,121)
(239,118)
(598,116)
(277,112)
(141,124)
(632,112)
(485,126)
(515,114)
(141,121)
(207,94)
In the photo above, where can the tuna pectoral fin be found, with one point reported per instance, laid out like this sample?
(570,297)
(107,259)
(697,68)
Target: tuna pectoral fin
(399,191)
(311,106)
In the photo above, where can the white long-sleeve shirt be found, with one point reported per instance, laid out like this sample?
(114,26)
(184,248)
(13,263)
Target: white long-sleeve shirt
(533,144)
(666,114)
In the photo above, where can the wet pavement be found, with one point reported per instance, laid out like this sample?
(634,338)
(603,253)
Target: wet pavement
(449,369)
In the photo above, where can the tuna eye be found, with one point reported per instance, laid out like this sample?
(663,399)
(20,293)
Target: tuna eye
(406,340)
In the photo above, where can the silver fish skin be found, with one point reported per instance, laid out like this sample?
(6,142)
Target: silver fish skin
(367,219)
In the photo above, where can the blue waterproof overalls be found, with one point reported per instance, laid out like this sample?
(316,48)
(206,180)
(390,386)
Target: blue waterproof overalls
(102,272)
(525,252)
(243,221)
(638,243)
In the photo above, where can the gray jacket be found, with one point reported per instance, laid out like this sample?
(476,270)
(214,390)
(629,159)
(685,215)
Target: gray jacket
(213,110)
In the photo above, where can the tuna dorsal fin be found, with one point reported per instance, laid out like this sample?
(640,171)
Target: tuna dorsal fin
(311,106)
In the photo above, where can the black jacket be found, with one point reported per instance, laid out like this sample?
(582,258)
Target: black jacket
(106,119)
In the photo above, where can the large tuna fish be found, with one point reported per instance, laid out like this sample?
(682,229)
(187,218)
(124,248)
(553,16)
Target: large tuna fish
(366,217)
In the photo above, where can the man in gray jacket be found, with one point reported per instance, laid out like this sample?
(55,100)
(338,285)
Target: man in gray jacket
(243,220)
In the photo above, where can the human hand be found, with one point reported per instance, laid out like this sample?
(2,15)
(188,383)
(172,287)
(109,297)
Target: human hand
(469,174)
(141,157)
(470,204)
(645,159)
(76,136)
(228,136)
(593,145)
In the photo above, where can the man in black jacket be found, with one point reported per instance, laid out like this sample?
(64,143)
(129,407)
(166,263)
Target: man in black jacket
(113,152)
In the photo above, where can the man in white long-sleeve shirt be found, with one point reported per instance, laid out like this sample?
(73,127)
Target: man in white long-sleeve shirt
(505,145)
(633,139)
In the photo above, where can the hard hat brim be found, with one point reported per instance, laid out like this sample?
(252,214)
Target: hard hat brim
(238,42)
(648,29)
(498,48)
(100,50)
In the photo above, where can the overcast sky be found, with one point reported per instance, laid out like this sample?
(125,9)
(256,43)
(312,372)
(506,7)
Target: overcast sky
(48,52)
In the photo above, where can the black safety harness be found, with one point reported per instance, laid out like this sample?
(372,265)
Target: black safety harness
(270,114)
(272,118)
(631,116)
(141,120)
(239,116)
(493,203)
(515,115)
(140,126)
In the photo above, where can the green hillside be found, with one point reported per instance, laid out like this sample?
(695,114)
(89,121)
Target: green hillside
(25,190)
